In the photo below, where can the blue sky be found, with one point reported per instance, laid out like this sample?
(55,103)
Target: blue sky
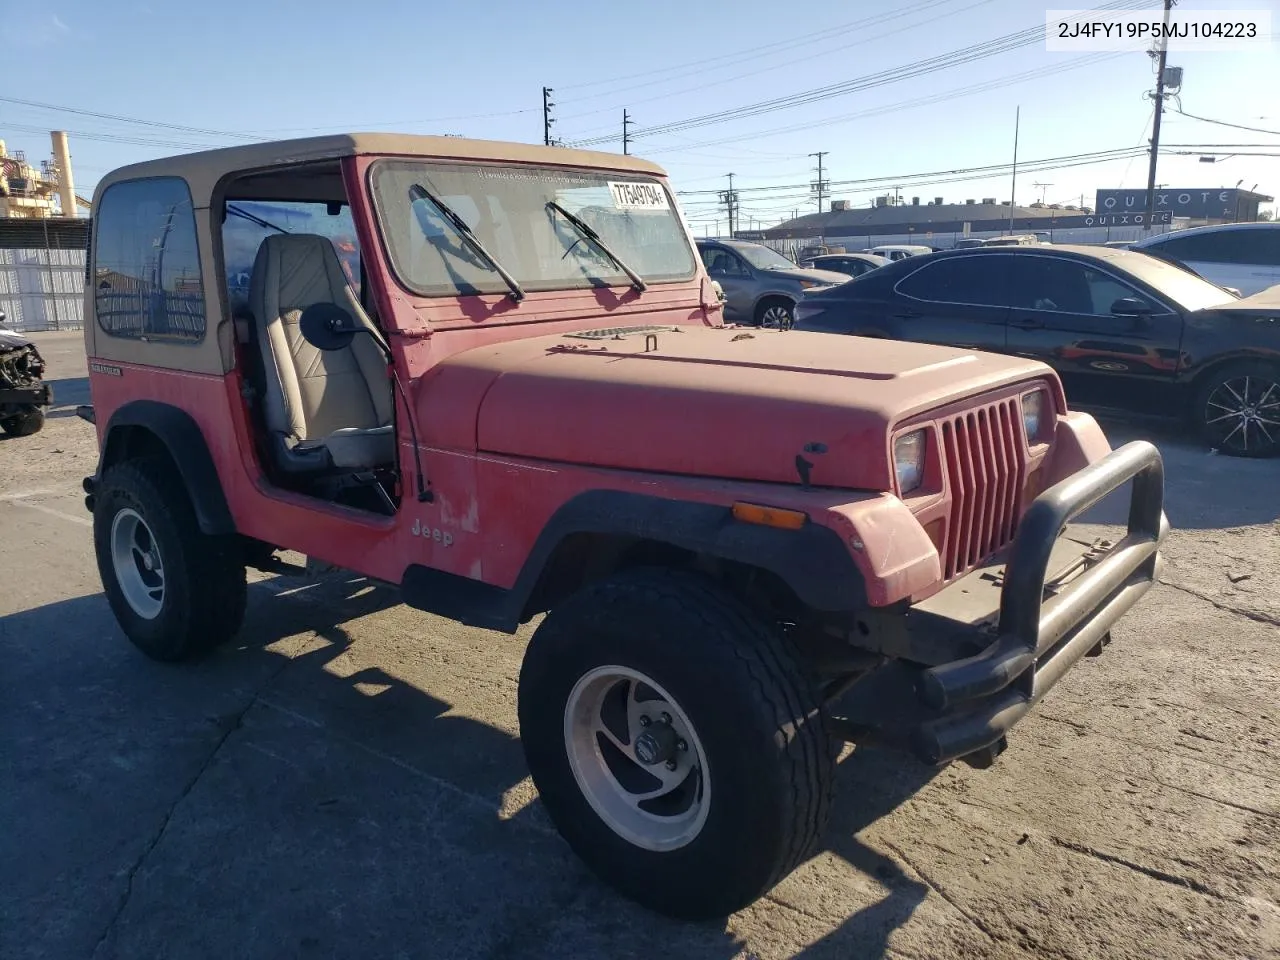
(287,68)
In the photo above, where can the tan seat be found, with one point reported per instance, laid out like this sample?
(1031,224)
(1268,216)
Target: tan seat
(323,408)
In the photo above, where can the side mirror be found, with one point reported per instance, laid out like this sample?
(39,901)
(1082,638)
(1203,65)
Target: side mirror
(326,326)
(1130,307)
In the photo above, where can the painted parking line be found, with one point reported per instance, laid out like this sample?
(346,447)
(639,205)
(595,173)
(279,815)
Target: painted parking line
(23,500)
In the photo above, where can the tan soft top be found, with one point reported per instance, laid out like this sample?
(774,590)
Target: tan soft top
(204,169)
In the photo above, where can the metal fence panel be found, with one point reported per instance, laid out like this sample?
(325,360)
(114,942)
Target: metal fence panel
(42,289)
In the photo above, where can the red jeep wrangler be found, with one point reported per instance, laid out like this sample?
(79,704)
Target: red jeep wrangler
(495,375)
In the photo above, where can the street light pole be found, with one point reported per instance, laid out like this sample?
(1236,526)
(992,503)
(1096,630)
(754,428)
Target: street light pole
(1013,187)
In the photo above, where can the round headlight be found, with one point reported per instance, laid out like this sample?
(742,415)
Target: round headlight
(908,460)
(1033,405)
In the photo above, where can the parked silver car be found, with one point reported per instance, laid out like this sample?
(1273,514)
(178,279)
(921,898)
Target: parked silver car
(760,285)
(1239,256)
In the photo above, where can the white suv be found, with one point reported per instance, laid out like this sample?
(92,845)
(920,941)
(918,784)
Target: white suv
(1245,256)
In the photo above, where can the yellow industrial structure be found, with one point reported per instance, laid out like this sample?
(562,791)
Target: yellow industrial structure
(31,194)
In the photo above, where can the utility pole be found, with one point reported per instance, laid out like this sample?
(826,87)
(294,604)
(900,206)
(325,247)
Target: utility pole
(730,199)
(547,121)
(1042,187)
(626,136)
(1013,187)
(1162,45)
(820,188)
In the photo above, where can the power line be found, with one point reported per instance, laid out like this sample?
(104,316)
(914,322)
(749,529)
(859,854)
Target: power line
(896,107)
(964,178)
(248,135)
(116,138)
(912,70)
(704,84)
(122,119)
(1223,123)
(702,63)
(1119,153)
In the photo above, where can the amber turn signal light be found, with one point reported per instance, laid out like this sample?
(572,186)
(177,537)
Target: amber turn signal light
(769,516)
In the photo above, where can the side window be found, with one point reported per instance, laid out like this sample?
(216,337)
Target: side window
(1253,245)
(722,263)
(1064,286)
(1105,290)
(978,280)
(249,222)
(146,267)
(1267,244)
(1202,248)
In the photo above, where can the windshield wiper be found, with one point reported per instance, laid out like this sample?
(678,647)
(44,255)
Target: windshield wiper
(585,229)
(253,218)
(419,192)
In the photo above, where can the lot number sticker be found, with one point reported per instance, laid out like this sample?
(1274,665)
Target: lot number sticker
(638,196)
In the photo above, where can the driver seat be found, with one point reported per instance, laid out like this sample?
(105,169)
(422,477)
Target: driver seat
(324,409)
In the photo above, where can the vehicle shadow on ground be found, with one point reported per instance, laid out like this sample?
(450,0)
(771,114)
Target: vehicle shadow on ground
(871,783)
(308,752)
(1204,490)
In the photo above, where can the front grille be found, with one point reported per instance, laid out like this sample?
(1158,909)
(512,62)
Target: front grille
(983,454)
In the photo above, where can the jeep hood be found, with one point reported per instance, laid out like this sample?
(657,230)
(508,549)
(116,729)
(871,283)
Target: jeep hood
(712,402)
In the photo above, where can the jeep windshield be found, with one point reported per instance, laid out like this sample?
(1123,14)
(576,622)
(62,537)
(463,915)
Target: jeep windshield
(513,212)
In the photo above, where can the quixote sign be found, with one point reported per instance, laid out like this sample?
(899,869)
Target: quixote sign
(1209,204)
(1126,219)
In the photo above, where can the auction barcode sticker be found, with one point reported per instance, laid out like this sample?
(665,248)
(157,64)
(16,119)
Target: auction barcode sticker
(638,195)
(1079,31)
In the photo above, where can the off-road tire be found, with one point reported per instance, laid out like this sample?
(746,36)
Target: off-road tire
(1260,374)
(23,424)
(769,303)
(768,755)
(205,589)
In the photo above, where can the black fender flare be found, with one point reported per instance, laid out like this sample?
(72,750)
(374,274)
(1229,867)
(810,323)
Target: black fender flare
(812,561)
(186,445)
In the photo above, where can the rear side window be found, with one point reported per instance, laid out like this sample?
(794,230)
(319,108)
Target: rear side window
(146,264)
(975,280)
(1259,246)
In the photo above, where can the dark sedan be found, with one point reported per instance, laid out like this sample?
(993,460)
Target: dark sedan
(1122,329)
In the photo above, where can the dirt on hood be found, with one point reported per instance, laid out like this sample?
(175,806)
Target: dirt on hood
(716,402)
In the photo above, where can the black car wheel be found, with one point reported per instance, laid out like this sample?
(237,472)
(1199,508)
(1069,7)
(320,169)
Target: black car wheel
(23,424)
(777,313)
(1238,409)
